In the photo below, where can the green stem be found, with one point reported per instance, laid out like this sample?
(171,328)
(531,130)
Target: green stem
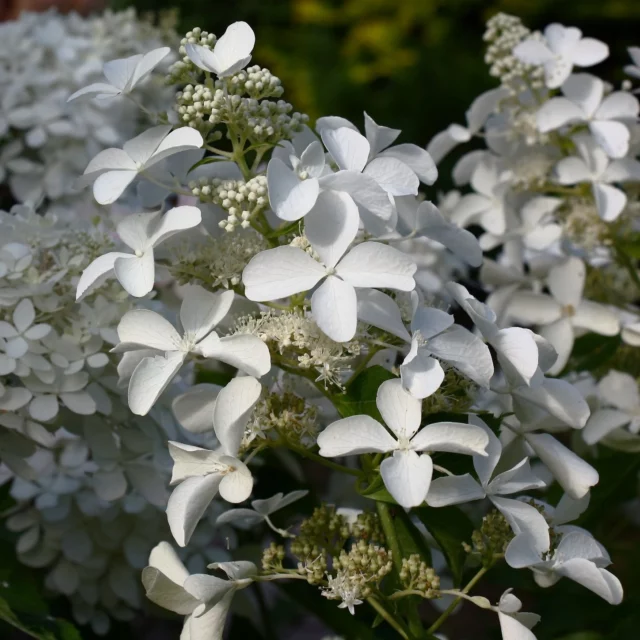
(327,463)
(449,610)
(389,617)
(361,367)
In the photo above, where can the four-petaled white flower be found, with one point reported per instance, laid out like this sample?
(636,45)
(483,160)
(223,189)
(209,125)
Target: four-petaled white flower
(22,330)
(406,474)
(113,170)
(123,75)
(561,50)
(559,315)
(284,271)
(584,102)
(231,52)
(203,473)
(515,624)
(141,232)
(200,312)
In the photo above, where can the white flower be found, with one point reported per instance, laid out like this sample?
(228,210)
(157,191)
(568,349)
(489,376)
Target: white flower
(200,312)
(433,333)
(22,330)
(515,624)
(584,101)
(477,114)
(66,389)
(284,271)
(580,558)
(123,75)
(633,70)
(203,473)
(113,170)
(522,517)
(406,474)
(140,232)
(620,391)
(561,50)
(560,315)
(231,53)
(260,511)
(593,166)
(204,600)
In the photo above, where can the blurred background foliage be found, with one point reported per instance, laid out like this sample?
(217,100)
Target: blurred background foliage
(414,65)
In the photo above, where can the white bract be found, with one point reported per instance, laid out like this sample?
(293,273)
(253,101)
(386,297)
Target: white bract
(561,49)
(141,232)
(113,170)
(406,474)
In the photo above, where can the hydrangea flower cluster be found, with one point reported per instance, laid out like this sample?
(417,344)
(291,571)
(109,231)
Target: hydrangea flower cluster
(333,301)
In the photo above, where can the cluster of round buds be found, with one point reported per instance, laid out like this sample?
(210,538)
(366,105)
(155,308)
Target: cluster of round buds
(492,538)
(367,527)
(418,575)
(267,121)
(323,529)
(255,82)
(183,69)
(367,560)
(503,33)
(314,566)
(241,200)
(272,557)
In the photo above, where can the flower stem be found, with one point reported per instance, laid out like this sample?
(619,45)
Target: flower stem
(388,616)
(449,610)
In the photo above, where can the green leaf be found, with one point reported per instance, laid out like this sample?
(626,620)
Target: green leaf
(40,627)
(410,538)
(592,351)
(360,396)
(376,491)
(450,527)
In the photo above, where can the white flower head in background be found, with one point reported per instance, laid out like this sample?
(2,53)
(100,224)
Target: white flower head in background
(406,474)
(230,54)
(561,49)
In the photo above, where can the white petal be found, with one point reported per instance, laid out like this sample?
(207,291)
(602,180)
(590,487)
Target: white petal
(597,318)
(572,170)
(107,160)
(372,264)
(233,49)
(232,411)
(589,51)
(243,351)
(610,201)
(173,221)
(556,113)
(44,408)
(517,352)
(407,477)
(486,465)
(512,629)
(136,274)
(347,147)
(111,185)
(461,242)
(98,90)
(187,505)
(119,72)
(202,310)
(455,437)
(148,63)
(353,436)
(166,593)
(279,273)
(585,91)
(379,137)
(454,490)
(573,474)
(290,197)
(534,308)
(600,581)
(566,281)
(417,159)
(236,487)
(179,140)
(378,309)
(148,329)
(79,402)
(194,408)
(395,177)
(240,517)
(332,225)
(613,137)
(335,309)
(534,52)
(421,375)
(191,461)
(398,408)
(23,315)
(150,378)
(516,479)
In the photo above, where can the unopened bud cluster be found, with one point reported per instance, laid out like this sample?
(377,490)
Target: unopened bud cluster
(492,538)
(417,575)
(503,33)
(256,82)
(367,527)
(183,69)
(369,561)
(272,557)
(241,200)
(324,528)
